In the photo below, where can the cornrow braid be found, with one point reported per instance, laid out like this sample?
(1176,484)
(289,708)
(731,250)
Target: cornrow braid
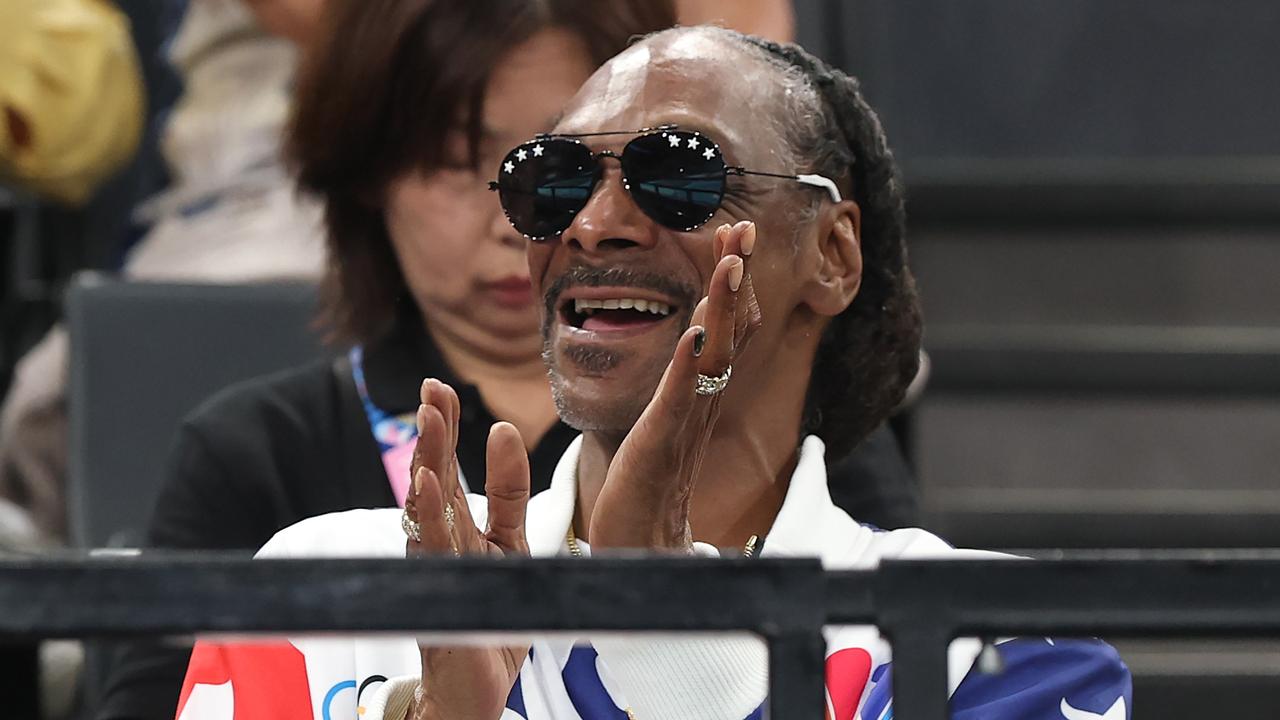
(869,353)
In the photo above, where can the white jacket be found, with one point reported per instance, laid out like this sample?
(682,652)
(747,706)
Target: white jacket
(724,677)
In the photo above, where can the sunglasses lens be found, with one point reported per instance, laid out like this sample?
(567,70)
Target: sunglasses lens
(543,184)
(676,177)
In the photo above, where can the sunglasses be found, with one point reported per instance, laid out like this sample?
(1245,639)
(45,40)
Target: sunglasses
(676,177)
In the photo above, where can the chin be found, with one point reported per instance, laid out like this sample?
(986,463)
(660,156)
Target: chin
(608,402)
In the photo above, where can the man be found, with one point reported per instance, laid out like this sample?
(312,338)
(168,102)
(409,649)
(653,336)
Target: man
(706,364)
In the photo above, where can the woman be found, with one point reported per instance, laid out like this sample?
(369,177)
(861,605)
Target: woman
(425,275)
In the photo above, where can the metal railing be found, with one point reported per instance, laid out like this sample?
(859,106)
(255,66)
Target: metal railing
(919,605)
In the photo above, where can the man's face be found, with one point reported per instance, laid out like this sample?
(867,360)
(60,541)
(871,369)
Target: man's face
(606,364)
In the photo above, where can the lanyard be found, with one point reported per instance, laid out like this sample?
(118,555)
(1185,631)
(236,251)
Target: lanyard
(396,435)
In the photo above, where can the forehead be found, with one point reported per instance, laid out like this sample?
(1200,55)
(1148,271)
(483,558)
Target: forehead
(697,82)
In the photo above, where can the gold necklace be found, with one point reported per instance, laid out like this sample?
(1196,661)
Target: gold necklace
(748,550)
(572,539)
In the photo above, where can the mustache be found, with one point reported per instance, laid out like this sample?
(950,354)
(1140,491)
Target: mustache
(586,276)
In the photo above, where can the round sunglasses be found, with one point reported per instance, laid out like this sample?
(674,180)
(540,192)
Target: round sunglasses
(676,177)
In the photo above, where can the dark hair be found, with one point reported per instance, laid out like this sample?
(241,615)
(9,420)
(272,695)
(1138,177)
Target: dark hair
(869,353)
(377,96)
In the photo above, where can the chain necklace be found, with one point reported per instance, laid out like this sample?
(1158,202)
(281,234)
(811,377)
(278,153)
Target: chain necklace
(572,539)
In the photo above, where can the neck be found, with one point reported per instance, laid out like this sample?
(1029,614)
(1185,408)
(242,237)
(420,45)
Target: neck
(476,355)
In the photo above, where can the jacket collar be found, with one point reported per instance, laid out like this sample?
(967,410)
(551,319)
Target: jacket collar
(551,511)
(808,525)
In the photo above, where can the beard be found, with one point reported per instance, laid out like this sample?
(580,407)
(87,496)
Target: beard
(573,367)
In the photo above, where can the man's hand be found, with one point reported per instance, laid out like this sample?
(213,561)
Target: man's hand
(461,683)
(646,495)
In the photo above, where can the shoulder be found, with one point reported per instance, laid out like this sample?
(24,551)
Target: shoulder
(353,533)
(1049,677)
(293,396)
(917,544)
(253,458)
(1075,679)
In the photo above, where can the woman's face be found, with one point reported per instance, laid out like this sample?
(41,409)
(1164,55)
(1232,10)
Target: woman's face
(462,261)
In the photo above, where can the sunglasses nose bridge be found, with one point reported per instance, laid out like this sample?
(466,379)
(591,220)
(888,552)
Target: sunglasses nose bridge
(610,217)
(600,168)
(600,156)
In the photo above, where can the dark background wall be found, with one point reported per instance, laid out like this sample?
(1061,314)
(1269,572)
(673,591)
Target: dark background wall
(1095,225)
(1101,177)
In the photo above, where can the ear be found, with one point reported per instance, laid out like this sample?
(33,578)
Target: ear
(835,283)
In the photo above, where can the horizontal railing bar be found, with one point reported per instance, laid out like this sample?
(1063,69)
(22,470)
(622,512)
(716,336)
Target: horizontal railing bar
(1189,593)
(1190,596)
(919,604)
(162,595)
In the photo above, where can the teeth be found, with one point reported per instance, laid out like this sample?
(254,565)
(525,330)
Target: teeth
(587,307)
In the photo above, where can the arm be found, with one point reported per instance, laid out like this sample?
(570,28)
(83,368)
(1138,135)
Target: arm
(645,502)
(708,678)
(1042,678)
(269,677)
(210,502)
(201,506)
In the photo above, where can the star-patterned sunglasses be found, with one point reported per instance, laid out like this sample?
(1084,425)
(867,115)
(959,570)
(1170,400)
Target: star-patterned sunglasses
(676,177)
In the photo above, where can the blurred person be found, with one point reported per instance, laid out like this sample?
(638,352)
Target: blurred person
(398,121)
(393,110)
(71,95)
(231,214)
(748,191)
(293,19)
(772,19)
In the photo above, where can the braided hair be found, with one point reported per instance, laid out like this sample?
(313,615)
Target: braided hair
(869,353)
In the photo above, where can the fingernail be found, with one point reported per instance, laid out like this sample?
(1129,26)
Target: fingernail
(749,239)
(699,341)
(735,274)
(724,228)
(422,410)
(417,480)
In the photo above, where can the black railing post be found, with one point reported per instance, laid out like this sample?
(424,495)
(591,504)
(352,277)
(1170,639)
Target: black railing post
(919,668)
(796,674)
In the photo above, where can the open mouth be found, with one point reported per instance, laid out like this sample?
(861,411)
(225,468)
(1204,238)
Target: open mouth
(613,314)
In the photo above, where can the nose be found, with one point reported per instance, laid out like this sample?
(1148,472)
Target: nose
(610,220)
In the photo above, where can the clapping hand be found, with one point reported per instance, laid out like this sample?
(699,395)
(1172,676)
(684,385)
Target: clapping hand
(464,682)
(646,495)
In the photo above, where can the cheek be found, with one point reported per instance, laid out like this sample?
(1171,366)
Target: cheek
(435,234)
(539,259)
